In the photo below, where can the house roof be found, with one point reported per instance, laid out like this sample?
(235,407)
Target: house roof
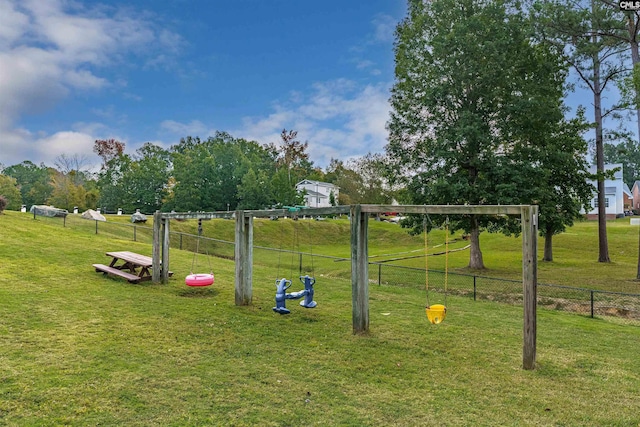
(625,189)
(308,181)
(315,194)
(636,184)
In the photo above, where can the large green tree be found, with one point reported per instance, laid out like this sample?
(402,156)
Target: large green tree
(626,152)
(591,35)
(283,191)
(139,181)
(630,85)
(293,157)
(361,180)
(145,183)
(67,194)
(71,182)
(108,149)
(111,182)
(254,191)
(472,95)
(561,175)
(346,179)
(9,190)
(35,182)
(74,166)
(209,173)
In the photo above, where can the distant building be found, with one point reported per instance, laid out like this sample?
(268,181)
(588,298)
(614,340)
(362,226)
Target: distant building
(318,194)
(635,195)
(617,193)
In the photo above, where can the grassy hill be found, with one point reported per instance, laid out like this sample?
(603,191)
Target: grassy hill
(78,348)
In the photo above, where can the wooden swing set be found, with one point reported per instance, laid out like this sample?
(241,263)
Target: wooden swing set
(359,216)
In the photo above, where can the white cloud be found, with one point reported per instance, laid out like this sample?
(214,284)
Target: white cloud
(12,24)
(31,81)
(67,142)
(381,36)
(131,96)
(46,149)
(384,28)
(364,63)
(338,119)
(171,41)
(13,147)
(193,128)
(110,113)
(92,128)
(52,48)
(83,79)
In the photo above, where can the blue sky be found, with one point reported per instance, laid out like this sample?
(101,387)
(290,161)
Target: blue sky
(154,71)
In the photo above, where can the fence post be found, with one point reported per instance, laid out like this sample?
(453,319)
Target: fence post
(380,274)
(180,241)
(134,234)
(157,252)
(591,304)
(300,262)
(474,288)
(96,226)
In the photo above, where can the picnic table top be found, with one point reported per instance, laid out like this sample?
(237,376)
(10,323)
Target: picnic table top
(132,257)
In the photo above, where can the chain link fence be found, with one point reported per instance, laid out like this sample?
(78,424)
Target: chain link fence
(613,306)
(616,306)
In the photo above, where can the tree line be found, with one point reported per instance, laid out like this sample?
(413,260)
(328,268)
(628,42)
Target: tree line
(213,174)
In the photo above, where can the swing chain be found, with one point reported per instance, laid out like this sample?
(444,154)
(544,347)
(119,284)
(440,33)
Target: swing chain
(446,258)
(436,313)
(195,254)
(426,256)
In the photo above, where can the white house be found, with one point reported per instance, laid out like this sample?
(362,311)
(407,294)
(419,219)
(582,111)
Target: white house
(318,194)
(616,191)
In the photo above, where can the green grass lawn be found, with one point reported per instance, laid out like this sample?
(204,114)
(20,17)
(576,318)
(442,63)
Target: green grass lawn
(78,348)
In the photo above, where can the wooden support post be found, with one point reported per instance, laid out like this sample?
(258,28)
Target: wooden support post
(165,250)
(359,270)
(529,284)
(155,266)
(244,258)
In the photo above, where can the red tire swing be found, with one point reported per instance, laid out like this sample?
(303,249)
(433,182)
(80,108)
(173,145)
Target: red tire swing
(199,279)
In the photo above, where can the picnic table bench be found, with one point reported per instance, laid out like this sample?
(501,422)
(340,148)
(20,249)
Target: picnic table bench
(129,265)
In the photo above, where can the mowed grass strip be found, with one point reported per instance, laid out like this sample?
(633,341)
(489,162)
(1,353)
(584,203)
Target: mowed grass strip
(79,348)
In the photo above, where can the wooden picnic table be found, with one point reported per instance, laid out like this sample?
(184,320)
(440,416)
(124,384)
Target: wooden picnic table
(130,265)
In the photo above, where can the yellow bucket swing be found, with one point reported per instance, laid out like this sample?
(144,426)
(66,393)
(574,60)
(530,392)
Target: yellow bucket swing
(436,313)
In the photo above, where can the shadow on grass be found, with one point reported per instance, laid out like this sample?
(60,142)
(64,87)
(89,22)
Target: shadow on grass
(198,292)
